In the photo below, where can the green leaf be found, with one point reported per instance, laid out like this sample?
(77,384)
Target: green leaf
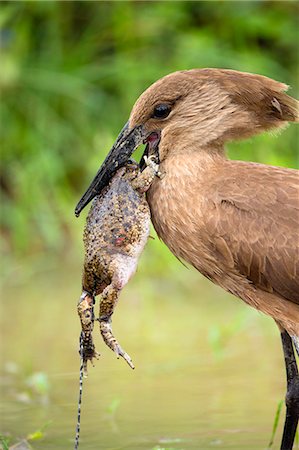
(275,424)
(4,441)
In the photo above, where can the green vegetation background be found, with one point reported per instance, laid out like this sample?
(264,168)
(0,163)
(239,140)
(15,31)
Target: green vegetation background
(70,73)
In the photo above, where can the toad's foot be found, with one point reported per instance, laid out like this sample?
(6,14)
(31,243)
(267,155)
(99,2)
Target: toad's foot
(87,351)
(109,339)
(150,161)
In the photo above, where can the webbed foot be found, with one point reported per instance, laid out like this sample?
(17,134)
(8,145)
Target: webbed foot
(87,352)
(111,342)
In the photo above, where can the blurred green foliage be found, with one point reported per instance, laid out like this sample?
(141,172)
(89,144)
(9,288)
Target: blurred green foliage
(70,72)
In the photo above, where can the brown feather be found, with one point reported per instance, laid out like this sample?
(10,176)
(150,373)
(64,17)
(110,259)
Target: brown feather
(226,218)
(236,222)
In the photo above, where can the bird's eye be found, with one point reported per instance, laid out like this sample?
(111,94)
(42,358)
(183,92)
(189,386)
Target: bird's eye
(161,111)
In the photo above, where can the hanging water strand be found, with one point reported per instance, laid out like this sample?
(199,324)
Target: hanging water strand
(77,437)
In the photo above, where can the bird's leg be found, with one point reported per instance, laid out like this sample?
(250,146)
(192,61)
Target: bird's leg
(143,181)
(86,314)
(295,340)
(107,304)
(292,396)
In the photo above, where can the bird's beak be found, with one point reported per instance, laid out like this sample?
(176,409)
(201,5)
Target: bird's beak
(128,140)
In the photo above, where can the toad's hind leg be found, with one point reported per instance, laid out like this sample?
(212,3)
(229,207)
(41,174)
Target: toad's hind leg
(86,314)
(123,267)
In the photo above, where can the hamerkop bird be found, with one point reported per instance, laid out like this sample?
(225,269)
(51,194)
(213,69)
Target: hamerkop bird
(236,222)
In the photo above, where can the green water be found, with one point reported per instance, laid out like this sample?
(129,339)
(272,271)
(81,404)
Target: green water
(209,370)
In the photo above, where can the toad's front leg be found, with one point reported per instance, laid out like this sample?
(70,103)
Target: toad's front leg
(144,180)
(86,314)
(122,270)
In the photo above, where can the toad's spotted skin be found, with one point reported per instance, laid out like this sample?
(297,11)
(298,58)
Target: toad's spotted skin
(116,232)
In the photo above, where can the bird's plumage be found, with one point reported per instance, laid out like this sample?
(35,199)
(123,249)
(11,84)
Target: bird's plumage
(257,214)
(213,106)
(236,222)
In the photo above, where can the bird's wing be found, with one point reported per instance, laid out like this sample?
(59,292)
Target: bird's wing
(256,216)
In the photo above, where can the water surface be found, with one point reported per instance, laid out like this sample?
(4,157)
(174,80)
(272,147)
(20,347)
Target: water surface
(209,370)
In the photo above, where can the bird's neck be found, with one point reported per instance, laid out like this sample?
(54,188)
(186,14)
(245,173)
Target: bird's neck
(186,166)
(190,144)
(186,177)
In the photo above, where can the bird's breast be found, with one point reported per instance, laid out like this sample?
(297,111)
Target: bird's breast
(179,203)
(186,209)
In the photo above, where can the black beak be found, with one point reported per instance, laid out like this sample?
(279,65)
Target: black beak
(127,141)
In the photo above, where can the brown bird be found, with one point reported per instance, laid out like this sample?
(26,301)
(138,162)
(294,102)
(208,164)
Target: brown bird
(236,222)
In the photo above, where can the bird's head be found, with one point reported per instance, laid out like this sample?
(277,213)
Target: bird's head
(193,110)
